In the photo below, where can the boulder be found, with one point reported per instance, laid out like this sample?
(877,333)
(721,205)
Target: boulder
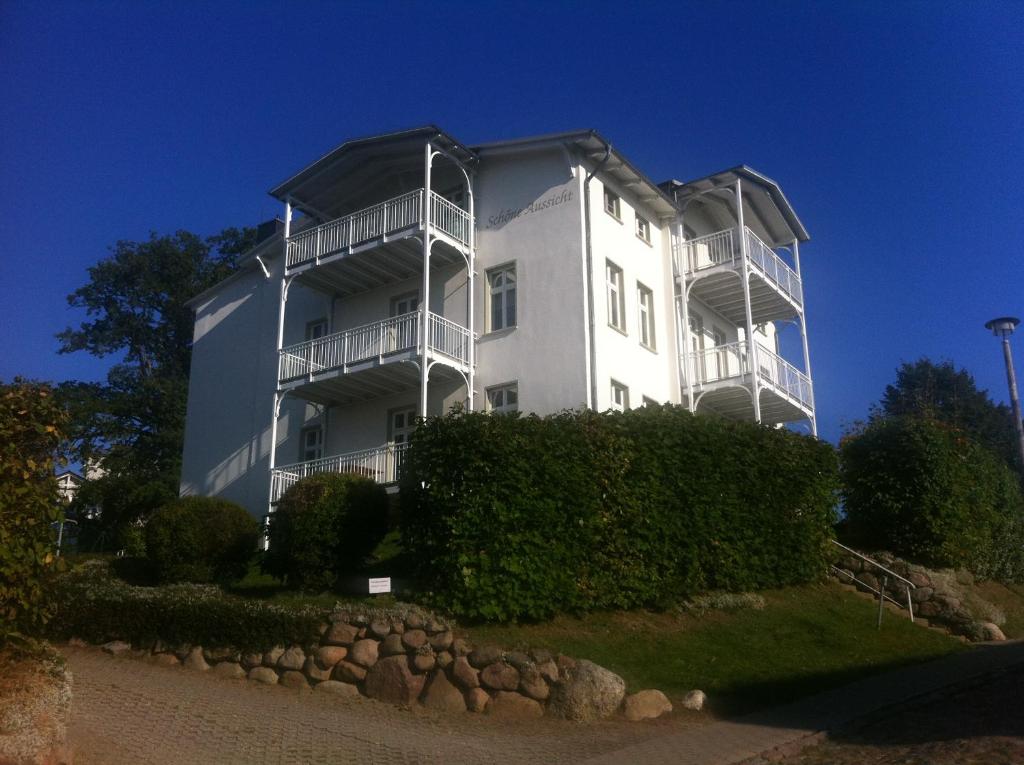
(397,626)
(444,660)
(506,704)
(414,621)
(991,632)
(294,679)
(485,655)
(270,657)
(364,652)
(500,677)
(548,670)
(348,672)
(165,659)
(195,660)
(532,684)
(423,662)
(329,655)
(213,655)
(264,675)
(461,647)
(477,700)
(390,679)
(646,705)
(250,660)
(435,625)
(919,579)
(380,629)
(340,633)
(413,639)
(116,647)
(392,646)
(921,594)
(441,641)
(695,700)
(464,675)
(589,692)
(313,671)
(441,694)
(292,660)
(519,660)
(337,688)
(230,670)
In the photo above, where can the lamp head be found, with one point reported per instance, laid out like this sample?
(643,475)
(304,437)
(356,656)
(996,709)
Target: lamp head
(1003,326)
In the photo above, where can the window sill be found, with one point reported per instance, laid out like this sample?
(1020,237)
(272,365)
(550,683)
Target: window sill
(614,217)
(495,333)
(645,241)
(650,348)
(620,330)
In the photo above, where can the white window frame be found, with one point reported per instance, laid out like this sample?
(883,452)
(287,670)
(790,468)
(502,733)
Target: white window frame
(643,228)
(403,434)
(406,298)
(615,284)
(317,449)
(620,397)
(612,204)
(316,329)
(497,397)
(645,313)
(503,291)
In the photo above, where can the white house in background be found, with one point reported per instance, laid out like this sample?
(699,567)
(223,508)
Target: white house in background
(412,273)
(68,484)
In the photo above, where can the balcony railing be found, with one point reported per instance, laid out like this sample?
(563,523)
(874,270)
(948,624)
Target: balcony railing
(375,222)
(374,341)
(732,360)
(382,464)
(721,248)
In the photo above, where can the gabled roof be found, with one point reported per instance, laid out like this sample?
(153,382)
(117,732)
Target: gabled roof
(773,211)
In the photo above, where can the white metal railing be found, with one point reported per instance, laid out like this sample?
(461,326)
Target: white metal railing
(882,574)
(374,340)
(383,464)
(732,360)
(721,248)
(377,221)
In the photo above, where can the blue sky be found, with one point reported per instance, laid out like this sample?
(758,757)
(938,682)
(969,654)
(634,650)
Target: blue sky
(894,128)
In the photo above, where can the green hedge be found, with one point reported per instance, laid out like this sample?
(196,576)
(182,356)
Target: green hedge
(96,607)
(925,491)
(527,517)
(325,526)
(201,539)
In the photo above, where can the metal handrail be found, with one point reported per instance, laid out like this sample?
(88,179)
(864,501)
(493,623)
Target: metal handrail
(785,377)
(732,360)
(880,591)
(383,464)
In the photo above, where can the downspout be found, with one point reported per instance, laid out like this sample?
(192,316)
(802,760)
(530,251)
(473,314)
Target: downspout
(592,361)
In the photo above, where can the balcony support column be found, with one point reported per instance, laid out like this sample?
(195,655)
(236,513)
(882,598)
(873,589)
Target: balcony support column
(471,287)
(683,311)
(425,298)
(741,231)
(803,338)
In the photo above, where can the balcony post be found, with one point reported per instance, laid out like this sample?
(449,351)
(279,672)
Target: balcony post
(471,287)
(683,332)
(803,338)
(751,343)
(425,297)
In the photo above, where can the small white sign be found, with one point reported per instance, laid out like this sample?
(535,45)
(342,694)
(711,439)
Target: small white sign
(378,586)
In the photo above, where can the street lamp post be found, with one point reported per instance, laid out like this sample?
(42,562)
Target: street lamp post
(1003,327)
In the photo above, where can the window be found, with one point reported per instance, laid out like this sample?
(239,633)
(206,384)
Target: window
(643,228)
(620,397)
(401,424)
(312,443)
(501,294)
(316,329)
(403,304)
(721,354)
(611,203)
(616,297)
(645,305)
(503,398)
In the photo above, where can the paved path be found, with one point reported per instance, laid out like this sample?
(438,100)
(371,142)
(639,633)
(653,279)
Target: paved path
(130,711)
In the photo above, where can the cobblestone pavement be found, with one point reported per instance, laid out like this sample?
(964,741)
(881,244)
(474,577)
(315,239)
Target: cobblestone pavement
(980,725)
(128,710)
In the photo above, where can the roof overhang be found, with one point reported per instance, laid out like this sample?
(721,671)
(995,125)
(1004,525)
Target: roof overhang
(594,147)
(761,194)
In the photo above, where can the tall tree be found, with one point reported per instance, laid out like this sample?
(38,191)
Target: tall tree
(940,391)
(135,305)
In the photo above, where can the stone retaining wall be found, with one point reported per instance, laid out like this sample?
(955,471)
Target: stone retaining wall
(411,657)
(939,596)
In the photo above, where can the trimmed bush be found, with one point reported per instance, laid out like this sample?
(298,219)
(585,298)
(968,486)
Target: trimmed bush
(30,424)
(524,517)
(324,526)
(96,607)
(926,491)
(200,539)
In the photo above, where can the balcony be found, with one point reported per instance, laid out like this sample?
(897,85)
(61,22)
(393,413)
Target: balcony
(361,362)
(723,381)
(378,245)
(710,265)
(383,465)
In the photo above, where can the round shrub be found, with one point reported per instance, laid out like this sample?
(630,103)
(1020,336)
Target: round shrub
(200,539)
(926,491)
(325,525)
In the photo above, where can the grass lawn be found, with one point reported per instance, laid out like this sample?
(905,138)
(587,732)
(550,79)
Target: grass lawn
(805,640)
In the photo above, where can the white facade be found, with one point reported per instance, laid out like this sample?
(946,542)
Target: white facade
(559,277)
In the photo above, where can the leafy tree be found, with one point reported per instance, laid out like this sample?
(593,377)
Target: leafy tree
(135,305)
(944,393)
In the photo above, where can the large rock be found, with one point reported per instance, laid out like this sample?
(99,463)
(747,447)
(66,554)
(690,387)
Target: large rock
(250,660)
(532,684)
(337,688)
(441,694)
(991,631)
(313,671)
(513,706)
(292,660)
(329,655)
(423,662)
(165,659)
(214,655)
(464,674)
(348,672)
(195,660)
(646,705)
(588,692)
(413,639)
(390,679)
(264,675)
(270,657)
(500,677)
(695,700)
(442,641)
(392,646)
(294,679)
(485,655)
(340,633)
(364,652)
(380,629)
(230,669)
(116,647)
(477,700)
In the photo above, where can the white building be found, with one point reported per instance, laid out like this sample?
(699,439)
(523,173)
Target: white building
(559,276)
